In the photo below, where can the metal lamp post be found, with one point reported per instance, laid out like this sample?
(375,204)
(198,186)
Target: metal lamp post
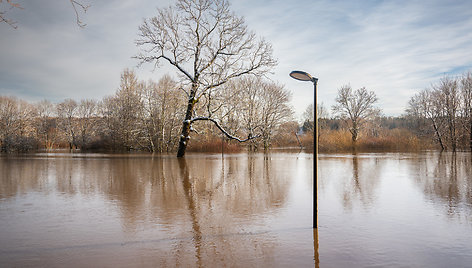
(304,76)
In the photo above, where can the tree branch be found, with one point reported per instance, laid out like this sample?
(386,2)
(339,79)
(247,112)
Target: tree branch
(75,3)
(250,137)
(6,20)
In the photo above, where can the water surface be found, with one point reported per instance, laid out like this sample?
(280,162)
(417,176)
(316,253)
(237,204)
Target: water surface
(242,210)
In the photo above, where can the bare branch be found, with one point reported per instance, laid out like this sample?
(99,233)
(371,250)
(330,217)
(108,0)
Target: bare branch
(74,4)
(7,20)
(83,7)
(250,137)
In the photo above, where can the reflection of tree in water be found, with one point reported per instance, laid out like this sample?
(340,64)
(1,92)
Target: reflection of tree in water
(446,179)
(16,177)
(223,197)
(214,207)
(361,186)
(39,174)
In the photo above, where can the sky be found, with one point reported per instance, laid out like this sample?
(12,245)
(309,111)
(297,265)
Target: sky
(394,48)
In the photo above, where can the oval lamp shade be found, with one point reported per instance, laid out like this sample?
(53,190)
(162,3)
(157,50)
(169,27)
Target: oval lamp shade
(300,75)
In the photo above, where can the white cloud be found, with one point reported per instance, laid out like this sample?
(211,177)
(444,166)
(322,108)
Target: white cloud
(392,47)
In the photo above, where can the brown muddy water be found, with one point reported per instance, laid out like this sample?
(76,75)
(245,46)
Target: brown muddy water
(240,210)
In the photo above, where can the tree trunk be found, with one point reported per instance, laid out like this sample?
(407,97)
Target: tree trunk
(184,136)
(471,136)
(354,131)
(452,131)
(438,135)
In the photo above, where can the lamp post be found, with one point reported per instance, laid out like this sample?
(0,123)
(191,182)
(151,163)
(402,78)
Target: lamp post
(304,76)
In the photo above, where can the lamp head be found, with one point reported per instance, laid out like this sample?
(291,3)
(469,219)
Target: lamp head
(303,76)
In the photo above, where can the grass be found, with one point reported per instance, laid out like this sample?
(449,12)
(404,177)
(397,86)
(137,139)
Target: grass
(386,140)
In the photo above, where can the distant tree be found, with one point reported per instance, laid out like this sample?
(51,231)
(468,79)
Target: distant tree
(286,135)
(129,110)
(308,118)
(427,104)
(162,107)
(66,119)
(355,107)
(87,112)
(448,93)
(208,45)
(45,123)
(263,107)
(16,132)
(109,131)
(122,114)
(308,115)
(9,122)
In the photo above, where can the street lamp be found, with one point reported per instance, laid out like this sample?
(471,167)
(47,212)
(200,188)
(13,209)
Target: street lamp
(304,76)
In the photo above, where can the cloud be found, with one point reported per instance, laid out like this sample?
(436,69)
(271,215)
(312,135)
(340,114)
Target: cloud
(392,47)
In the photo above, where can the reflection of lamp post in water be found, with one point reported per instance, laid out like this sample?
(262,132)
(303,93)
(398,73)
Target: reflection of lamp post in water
(303,76)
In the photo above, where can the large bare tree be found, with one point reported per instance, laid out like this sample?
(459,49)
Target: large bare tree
(355,106)
(208,45)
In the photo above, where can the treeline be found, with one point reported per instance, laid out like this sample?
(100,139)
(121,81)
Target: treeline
(438,117)
(145,116)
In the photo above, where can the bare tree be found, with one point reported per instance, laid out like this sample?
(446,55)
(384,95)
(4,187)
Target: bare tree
(87,113)
(9,117)
(150,119)
(45,123)
(426,104)
(275,109)
(449,97)
(466,92)
(308,115)
(16,132)
(356,107)
(261,107)
(208,45)
(108,108)
(66,118)
(122,114)
(162,104)
(129,110)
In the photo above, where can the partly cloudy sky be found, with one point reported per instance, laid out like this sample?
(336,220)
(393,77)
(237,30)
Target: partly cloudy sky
(394,48)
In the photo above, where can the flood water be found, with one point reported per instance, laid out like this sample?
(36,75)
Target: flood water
(238,210)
